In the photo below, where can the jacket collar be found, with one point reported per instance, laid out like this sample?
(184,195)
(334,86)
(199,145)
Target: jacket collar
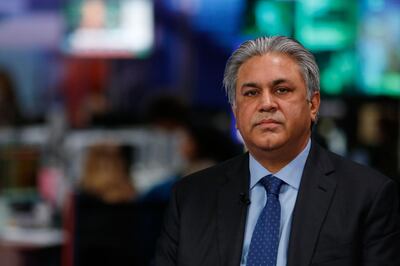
(317,188)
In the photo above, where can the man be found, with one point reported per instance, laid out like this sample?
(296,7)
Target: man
(288,201)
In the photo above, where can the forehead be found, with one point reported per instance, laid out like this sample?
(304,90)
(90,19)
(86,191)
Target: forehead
(270,63)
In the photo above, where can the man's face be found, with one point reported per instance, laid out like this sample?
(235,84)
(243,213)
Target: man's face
(271,109)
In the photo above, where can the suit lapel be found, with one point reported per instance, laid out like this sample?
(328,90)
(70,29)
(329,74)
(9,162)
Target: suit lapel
(313,200)
(232,211)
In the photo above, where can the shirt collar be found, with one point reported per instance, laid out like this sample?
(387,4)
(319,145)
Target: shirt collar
(290,174)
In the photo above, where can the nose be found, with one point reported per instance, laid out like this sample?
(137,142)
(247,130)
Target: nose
(267,102)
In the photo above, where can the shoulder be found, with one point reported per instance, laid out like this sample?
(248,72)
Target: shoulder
(357,171)
(349,174)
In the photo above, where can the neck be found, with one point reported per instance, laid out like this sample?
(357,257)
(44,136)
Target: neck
(275,160)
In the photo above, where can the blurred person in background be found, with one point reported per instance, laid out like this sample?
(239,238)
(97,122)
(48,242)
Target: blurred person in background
(106,174)
(101,216)
(200,147)
(288,201)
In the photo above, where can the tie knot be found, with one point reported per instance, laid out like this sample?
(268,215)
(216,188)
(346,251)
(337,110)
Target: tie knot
(271,184)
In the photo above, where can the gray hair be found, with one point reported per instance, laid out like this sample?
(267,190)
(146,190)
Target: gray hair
(264,45)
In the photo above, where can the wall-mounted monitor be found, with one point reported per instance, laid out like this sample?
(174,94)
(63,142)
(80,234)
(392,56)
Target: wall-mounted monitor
(109,28)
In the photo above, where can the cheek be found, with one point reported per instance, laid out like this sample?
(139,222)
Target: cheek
(298,116)
(243,119)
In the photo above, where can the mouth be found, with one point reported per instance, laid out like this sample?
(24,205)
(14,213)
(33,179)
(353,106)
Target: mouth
(267,122)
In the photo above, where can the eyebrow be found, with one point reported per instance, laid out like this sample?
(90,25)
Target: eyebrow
(250,84)
(272,83)
(279,81)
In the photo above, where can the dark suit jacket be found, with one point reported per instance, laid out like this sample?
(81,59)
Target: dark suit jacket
(345,214)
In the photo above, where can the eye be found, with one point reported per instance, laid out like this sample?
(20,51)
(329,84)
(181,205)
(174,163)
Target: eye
(282,90)
(251,92)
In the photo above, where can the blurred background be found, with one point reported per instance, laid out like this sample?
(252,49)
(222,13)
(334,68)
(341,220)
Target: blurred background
(104,104)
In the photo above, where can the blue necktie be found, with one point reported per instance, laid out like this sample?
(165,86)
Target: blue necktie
(265,239)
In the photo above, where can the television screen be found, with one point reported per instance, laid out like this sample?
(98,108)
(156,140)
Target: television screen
(379,48)
(109,28)
(355,43)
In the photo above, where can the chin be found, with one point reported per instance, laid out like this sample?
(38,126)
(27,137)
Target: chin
(268,144)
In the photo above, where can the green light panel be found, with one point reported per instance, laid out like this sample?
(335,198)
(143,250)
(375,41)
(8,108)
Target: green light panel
(270,18)
(339,72)
(323,25)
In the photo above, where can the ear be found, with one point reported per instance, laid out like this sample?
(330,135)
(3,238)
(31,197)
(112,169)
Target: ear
(234,111)
(314,105)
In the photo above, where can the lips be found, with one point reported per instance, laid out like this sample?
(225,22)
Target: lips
(267,122)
